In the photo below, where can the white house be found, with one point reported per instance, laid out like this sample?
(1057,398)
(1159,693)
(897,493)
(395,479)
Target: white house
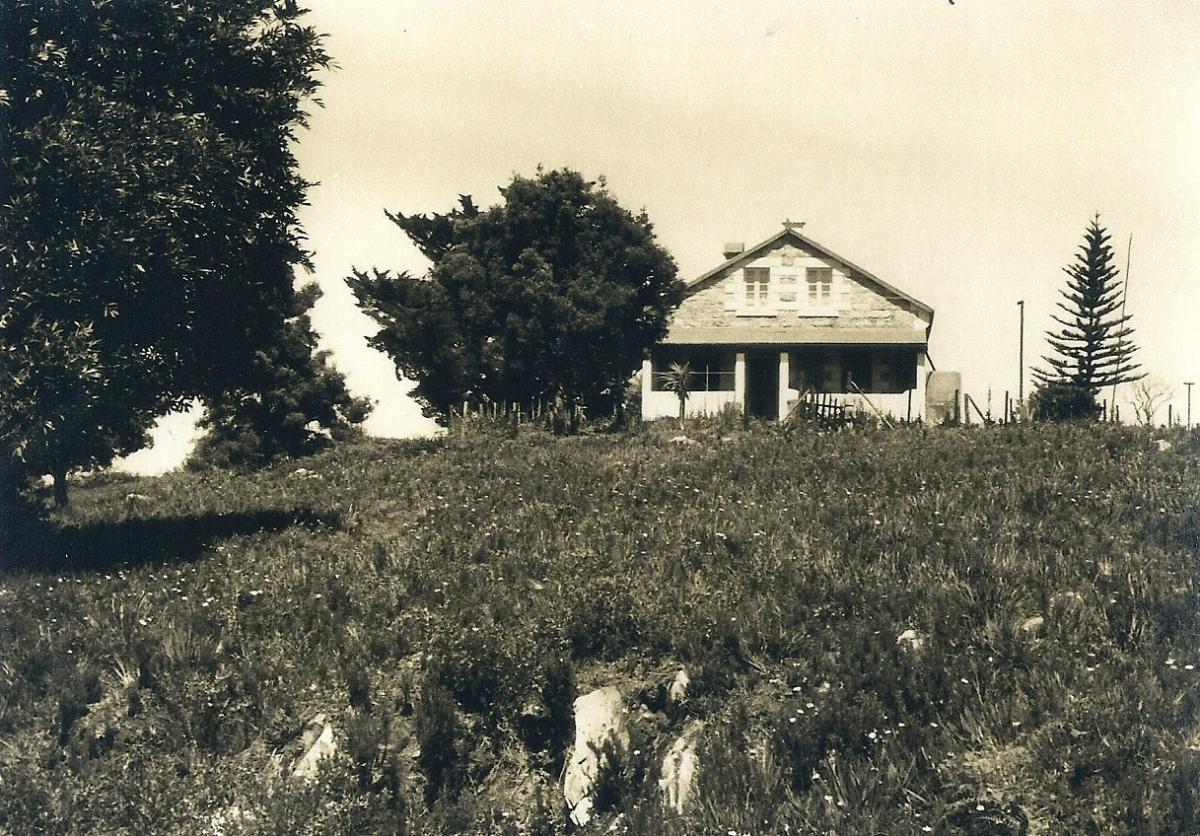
(786,317)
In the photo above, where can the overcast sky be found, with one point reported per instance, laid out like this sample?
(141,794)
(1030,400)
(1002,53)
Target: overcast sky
(956,151)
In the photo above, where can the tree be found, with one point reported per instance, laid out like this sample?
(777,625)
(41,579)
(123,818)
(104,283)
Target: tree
(290,404)
(678,379)
(148,233)
(555,290)
(1092,349)
(1148,397)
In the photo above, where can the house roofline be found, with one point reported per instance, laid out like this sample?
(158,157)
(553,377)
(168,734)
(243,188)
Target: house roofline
(789,230)
(798,336)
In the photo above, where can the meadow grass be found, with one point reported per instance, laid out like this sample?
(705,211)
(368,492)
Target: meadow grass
(904,631)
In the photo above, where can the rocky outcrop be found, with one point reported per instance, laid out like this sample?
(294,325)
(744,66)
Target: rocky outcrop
(600,720)
(318,744)
(680,767)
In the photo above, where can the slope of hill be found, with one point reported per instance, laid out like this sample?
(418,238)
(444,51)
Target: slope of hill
(905,631)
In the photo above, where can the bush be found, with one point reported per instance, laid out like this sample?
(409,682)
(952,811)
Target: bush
(439,735)
(1063,402)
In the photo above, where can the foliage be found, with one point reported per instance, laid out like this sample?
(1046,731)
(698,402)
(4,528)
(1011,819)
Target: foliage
(678,379)
(165,655)
(289,403)
(555,290)
(1092,349)
(148,231)
(1063,402)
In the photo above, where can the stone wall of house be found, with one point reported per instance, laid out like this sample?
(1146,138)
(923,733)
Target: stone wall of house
(858,302)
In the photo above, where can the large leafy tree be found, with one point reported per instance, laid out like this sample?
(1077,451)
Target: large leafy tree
(557,290)
(1092,348)
(148,193)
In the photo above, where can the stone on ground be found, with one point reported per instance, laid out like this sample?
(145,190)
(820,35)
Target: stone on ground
(318,745)
(679,768)
(677,692)
(599,719)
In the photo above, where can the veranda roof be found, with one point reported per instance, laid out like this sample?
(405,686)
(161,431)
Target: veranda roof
(747,335)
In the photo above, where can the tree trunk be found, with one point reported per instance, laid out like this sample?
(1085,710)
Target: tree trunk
(60,487)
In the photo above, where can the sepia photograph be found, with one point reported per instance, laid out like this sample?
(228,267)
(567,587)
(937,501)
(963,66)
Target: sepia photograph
(546,417)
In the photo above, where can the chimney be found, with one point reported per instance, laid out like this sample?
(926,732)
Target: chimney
(734,248)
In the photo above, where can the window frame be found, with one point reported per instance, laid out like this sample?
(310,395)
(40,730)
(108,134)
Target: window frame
(758,294)
(816,303)
(709,370)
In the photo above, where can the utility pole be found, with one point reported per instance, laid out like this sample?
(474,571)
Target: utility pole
(1021,354)
(1188,384)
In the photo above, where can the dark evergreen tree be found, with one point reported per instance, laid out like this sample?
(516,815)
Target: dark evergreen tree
(555,291)
(148,234)
(1092,349)
(290,403)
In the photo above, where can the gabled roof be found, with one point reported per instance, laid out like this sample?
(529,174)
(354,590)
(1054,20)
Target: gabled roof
(790,231)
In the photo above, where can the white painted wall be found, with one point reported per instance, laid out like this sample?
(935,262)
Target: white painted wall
(666,404)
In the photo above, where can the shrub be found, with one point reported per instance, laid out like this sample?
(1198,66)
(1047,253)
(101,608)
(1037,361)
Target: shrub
(439,735)
(1063,402)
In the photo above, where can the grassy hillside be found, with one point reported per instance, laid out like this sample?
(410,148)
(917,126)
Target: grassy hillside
(904,632)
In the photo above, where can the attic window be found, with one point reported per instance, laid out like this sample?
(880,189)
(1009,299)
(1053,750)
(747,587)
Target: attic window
(758,286)
(820,286)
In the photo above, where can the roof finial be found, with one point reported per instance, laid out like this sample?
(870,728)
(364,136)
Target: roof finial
(790,224)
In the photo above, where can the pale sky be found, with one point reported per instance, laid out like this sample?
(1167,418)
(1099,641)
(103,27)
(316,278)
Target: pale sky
(956,151)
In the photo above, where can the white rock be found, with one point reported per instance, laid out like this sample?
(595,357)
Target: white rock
(599,718)
(1032,624)
(232,819)
(678,781)
(911,640)
(318,745)
(133,498)
(1162,444)
(677,692)
(683,439)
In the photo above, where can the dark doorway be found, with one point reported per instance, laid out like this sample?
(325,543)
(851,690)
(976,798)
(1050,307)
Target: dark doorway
(762,386)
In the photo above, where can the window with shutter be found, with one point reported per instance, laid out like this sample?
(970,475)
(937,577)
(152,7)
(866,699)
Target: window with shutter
(819,290)
(758,287)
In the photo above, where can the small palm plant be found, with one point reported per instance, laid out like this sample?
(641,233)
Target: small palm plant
(678,379)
